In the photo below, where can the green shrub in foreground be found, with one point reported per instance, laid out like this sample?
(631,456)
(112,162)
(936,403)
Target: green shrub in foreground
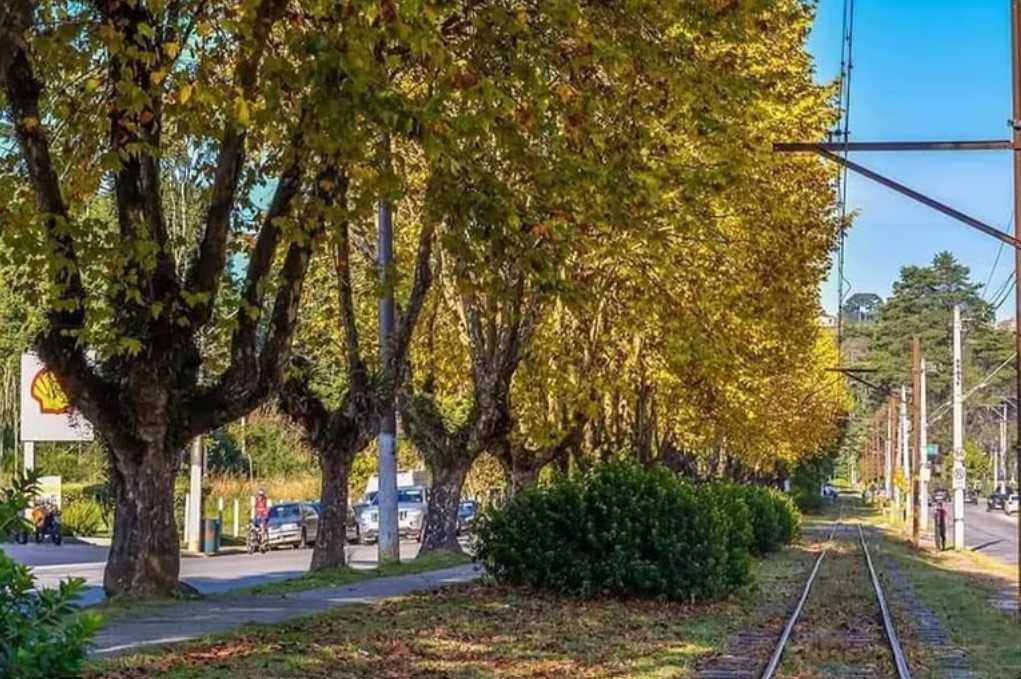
(45,635)
(622,530)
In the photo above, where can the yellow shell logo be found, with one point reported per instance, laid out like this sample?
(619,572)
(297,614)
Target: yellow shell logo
(47,393)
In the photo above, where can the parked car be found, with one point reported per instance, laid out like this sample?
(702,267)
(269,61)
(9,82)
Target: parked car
(466,514)
(292,523)
(1010,505)
(352,521)
(996,500)
(970,497)
(411,508)
(938,495)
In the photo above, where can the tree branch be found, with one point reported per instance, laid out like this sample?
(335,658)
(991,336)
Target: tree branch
(345,296)
(204,275)
(419,289)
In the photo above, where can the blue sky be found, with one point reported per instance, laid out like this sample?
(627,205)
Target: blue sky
(923,70)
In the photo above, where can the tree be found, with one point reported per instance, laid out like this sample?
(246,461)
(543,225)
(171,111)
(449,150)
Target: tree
(122,322)
(861,307)
(922,304)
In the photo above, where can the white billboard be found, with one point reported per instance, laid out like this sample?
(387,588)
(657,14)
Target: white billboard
(46,413)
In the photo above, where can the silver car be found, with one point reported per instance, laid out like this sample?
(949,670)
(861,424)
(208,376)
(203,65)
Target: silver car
(411,508)
(292,523)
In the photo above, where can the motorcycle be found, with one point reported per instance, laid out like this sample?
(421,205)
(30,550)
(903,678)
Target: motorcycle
(258,538)
(46,518)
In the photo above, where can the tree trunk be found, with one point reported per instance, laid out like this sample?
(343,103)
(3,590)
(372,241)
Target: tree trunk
(331,542)
(144,559)
(519,477)
(440,532)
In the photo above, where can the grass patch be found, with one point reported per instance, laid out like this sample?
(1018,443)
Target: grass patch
(959,589)
(338,577)
(474,631)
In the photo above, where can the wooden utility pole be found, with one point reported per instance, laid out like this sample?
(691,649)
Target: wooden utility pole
(916,440)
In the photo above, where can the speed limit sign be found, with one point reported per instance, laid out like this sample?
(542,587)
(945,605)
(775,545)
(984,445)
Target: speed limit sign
(958,477)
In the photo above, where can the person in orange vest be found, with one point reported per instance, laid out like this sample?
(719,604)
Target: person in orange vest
(261,510)
(940,524)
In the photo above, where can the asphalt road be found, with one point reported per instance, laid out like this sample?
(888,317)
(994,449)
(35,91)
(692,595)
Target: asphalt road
(991,533)
(210,574)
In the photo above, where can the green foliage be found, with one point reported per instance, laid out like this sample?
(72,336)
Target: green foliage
(44,633)
(774,518)
(83,517)
(626,530)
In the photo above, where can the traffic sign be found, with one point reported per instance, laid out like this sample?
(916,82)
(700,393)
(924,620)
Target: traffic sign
(958,454)
(958,478)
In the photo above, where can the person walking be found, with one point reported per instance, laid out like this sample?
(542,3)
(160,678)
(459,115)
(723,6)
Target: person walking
(940,525)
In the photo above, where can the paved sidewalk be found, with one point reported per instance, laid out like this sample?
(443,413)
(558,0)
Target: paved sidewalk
(193,619)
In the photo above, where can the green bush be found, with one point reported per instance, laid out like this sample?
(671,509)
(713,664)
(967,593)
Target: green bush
(44,633)
(729,497)
(774,518)
(83,517)
(622,530)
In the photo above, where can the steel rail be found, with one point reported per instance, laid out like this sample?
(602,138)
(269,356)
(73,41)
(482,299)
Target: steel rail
(891,634)
(774,660)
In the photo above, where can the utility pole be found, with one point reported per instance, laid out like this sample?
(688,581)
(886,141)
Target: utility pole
(194,529)
(924,469)
(388,543)
(1000,466)
(1015,50)
(888,450)
(905,465)
(916,439)
(958,474)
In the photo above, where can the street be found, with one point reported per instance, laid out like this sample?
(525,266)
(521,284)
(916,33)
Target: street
(993,534)
(207,574)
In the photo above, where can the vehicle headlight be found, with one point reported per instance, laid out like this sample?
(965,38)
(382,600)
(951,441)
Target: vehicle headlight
(289,526)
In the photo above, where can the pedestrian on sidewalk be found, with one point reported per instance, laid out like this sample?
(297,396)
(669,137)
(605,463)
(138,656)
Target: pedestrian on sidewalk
(940,524)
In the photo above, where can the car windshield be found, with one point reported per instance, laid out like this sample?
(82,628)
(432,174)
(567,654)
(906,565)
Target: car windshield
(404,496)
(285,512)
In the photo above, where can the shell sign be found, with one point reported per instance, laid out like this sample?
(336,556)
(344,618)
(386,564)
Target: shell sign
(46,412)
(46,391)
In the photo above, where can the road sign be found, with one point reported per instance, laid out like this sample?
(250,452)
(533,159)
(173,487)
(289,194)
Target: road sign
(959,477)
(959,455)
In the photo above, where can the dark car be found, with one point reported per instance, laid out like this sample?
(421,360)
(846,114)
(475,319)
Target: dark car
(938,495)
(467,512)
(971,497)
(996,500)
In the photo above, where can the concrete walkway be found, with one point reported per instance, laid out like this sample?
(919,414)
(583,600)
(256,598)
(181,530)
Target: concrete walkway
(194,619)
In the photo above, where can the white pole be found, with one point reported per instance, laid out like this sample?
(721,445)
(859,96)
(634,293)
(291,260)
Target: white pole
(958,474)
(237,510)
(187,519)
(923,462)
(194,524)
(29,447)
(1001,465)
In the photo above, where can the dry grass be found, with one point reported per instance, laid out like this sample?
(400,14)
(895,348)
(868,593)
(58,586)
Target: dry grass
(476,631)
(278,489)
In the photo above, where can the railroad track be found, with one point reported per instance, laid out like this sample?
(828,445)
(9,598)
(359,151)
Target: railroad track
(827,629)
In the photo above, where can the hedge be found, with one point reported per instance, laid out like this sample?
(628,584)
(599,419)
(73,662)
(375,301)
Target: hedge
(625,530)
